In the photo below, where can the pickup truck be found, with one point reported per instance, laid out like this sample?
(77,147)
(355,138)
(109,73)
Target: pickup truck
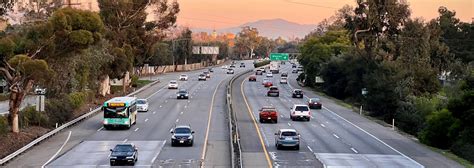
(268,114)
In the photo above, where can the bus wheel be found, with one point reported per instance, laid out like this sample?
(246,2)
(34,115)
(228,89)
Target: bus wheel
(129,124)
(135,122)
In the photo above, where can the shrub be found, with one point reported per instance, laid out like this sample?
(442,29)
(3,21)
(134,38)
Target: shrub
(30,117)
(3,126)
(134,80)
(439,129)
(59,111)
(408,118)
(77,99)
(262,63)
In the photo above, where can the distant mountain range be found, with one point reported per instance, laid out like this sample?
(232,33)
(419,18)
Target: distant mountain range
(272,28)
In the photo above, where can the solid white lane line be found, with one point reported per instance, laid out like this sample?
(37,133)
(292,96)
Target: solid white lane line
(355,151)
(161,106)
(185,106)
(100,129)
(181,113)
(155,92)
(136,129)
(61,148)
(310,148)
(177,120)
(125,140)
(289,124)
(335,136)
(374,137)
(157,153)
(146,120)
(154,112)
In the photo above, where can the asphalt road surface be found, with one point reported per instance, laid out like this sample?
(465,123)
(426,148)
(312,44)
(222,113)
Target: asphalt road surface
(335,136)
(89,144)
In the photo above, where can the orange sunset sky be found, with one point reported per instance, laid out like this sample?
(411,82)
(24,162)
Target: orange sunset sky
(228,13)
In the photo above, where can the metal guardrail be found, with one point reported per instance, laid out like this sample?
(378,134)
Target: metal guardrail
(60,128)
(235,147)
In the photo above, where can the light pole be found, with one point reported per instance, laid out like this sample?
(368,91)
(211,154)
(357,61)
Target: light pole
(364,93)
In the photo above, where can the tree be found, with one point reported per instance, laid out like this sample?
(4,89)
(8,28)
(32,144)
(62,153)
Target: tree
(5,6)
(265,47)
(249,38)
(20,72)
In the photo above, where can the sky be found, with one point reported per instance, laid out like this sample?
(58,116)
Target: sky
(217,14)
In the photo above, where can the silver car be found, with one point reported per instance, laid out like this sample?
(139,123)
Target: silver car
(287,138)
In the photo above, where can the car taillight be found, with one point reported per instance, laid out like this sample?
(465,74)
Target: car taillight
(273,113)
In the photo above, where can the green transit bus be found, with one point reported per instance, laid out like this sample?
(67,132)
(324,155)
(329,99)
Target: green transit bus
(120,112)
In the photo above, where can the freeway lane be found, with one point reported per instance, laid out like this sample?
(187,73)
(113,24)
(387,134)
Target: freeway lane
(327,137)
(151,133)
(165,112)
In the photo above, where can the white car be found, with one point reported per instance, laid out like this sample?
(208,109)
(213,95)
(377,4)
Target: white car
(284,80)
(224,66)
(230,71)
(173,84)
(183,77)
(142,105)
(300,111)
(269,74)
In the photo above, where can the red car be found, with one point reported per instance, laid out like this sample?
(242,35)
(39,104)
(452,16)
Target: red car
(268,84)
(253,78)
(315,103)
(268,113)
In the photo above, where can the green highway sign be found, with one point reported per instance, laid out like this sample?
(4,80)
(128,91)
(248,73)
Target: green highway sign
(279,56)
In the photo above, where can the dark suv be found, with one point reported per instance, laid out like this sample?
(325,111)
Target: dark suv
(297,93)
(182,135)
(126,154)
(273,91)
(182,94)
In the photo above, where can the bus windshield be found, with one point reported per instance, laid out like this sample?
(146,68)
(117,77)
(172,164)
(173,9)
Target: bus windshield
(117,112)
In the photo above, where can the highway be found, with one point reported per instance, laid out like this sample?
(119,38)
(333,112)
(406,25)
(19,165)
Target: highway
(334,137)
(89,144)
(328,140)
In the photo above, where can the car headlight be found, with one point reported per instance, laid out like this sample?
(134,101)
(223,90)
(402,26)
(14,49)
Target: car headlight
(173,137)
(187,94)
(177,94)
(106,122)
(113,157)
(126,122)
(190,137)
(129,157)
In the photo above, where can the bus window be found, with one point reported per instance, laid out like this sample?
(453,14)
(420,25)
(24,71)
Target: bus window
(118,112)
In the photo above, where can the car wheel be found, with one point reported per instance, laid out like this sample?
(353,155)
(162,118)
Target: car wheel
(112,164)
(278,147)
(192,142)
(297,147)
(261,120)
(172,143)
(276,121)
(129,124)
(278,95)
(133,163)
(309,118)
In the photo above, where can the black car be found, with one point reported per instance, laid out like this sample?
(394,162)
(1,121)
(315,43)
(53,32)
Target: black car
(182,135)
(297,93)
(284,74)
(293,66)
(211,70)
(232,66)
(123,154)
(242,65)
(294,71)
(182,94)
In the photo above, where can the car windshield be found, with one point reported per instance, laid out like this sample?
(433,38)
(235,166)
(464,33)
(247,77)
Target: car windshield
(183,75)
(123,148)
(273,88)
(115,112)
(202,75)
(298,91)
(314,100)
(173,82)
(301,108)
(182,131)
(141,102)
(182,91)
(289,133)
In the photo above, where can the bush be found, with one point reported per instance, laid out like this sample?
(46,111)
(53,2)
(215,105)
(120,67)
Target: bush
(262,63)
(77,99)
(3,126)
(464,150)
(439,130)
(408,118)
(59,111)
(135,80)
(30,117)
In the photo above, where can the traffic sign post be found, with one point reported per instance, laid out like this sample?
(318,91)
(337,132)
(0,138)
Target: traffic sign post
(279,56)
